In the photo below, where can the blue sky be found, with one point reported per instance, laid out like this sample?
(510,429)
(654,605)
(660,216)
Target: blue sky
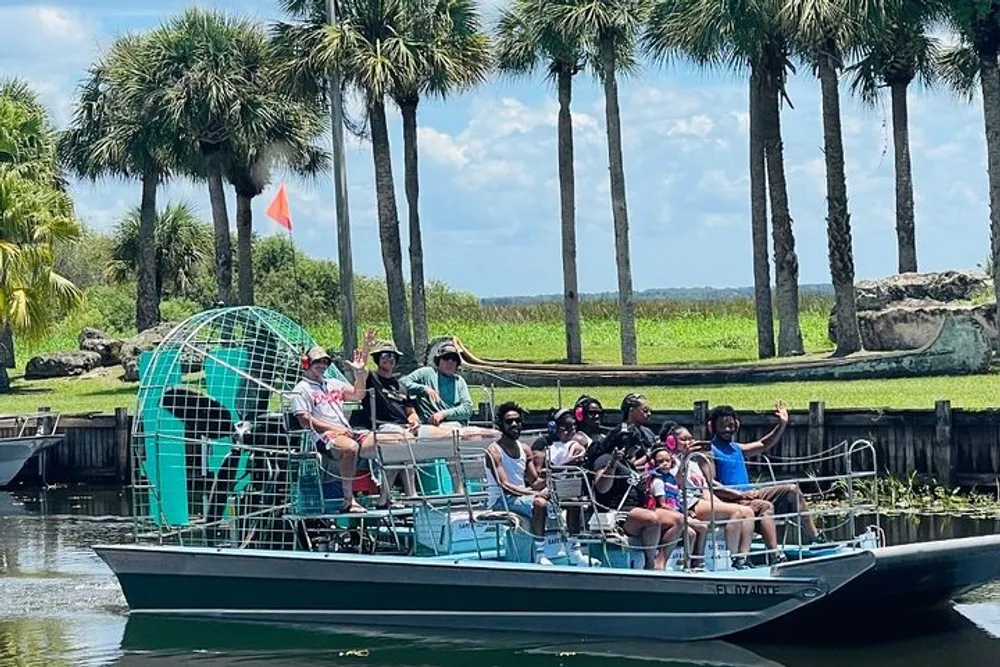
(488,169)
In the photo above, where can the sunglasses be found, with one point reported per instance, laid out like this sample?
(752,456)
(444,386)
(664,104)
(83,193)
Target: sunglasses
(387,355)
(512,420)
(595,413)
(450,357)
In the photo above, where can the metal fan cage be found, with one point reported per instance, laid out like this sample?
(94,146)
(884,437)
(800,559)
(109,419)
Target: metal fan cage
(212,441)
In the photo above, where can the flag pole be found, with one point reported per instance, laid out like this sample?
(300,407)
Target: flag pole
(279,211)
(345,262)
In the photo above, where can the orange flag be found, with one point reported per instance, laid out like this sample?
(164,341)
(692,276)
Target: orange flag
(278,209)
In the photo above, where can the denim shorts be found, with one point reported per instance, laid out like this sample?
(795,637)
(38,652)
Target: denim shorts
(521,505)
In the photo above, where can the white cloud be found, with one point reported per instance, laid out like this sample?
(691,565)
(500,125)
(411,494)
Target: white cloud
(695,126)
(441,147)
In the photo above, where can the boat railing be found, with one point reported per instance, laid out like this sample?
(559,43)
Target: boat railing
(833,474)
(29,424)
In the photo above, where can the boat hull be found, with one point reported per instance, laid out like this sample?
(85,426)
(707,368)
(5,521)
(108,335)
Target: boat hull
(906,580)
(402,592)
(15,452)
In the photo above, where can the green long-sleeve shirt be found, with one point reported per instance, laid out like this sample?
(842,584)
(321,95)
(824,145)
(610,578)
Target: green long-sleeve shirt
(456,402)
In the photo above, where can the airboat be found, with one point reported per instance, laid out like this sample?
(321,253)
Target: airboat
(23,436)
(236,517)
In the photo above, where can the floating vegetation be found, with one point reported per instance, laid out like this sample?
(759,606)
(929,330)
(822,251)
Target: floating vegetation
(917,495)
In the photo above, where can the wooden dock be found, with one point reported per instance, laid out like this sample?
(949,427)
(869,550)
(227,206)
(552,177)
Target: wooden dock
(955,447)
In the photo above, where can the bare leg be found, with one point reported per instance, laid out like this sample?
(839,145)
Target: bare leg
(539,513)
(345,451)
(643,523)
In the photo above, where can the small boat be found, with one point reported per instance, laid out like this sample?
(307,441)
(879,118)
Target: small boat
(959,347)
(31,434)
(237,518)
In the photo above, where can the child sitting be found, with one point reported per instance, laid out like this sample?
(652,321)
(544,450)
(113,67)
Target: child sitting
(665,494)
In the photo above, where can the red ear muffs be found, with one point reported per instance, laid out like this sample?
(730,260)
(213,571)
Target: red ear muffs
(578,413)
(305,362)
(671,443)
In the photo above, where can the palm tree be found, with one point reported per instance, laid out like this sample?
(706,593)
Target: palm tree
(454,55)
(714,33)
(212,82)
(375,50)
(35,215)
(180,249)
(113,134)
(526,39)
(824,30)
(609,28)
(893,58)
(978,24)
(286,140)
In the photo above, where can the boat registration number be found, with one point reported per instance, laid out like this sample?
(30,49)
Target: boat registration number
(747,589)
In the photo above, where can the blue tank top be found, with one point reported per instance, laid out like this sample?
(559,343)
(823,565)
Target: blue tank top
(730,467)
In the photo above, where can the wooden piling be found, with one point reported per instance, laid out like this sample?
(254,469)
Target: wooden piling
(942,466)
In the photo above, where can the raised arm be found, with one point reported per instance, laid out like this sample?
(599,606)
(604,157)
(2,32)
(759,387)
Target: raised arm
(359,390)
(417,382)
(772,438)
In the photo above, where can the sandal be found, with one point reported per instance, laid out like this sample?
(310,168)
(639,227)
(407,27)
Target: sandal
(391,506)
(353,508)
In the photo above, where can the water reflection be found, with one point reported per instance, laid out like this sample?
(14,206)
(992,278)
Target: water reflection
(59,605)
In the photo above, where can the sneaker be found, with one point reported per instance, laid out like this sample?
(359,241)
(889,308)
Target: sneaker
(542,559)
(740,563)
(576,557)
(778,558)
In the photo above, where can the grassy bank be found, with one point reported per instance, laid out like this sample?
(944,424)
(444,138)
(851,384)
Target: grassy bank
(669,332)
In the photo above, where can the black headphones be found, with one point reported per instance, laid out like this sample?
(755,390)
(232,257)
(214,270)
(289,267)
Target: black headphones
(553,423)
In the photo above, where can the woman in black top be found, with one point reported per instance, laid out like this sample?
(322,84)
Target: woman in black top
(620,487)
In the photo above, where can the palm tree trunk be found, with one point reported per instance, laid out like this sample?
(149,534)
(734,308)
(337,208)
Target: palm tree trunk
(411,176)
(147,304)
(989,76)
(838,221)
(388,229)
(7,359)
(220,222)
(244,247)
(786,262)
(905,225)
(567,210)
(758,226)
(619,205)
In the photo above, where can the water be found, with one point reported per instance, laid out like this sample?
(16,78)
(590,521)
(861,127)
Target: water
(59,605)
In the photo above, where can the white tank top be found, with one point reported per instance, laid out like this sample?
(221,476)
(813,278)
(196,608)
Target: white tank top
(513,469)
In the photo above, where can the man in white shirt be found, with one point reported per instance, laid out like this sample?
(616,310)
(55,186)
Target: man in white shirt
(318,403)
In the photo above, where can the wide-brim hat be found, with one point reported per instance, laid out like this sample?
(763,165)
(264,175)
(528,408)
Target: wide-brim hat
(384,346)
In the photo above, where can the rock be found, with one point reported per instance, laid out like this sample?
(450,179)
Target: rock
(943,287)
(108,348)
(61,364)
(905,311)
(90,333)
(133,347)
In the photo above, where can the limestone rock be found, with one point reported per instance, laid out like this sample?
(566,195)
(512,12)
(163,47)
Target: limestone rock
(943,287)
(61,364)
(905,311)
(108,348)
(90,333)
(133,347)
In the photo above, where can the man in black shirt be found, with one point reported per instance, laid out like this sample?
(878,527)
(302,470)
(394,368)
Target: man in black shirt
(392,405)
